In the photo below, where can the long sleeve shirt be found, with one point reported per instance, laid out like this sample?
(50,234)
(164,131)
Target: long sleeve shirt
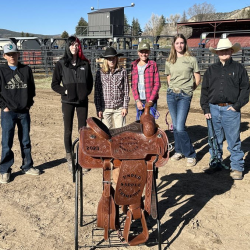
(111,90)
(77,80)
(17,87)
(151,80)
(227,83)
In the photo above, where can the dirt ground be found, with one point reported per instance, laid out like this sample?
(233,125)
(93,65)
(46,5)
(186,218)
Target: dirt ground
(198,211)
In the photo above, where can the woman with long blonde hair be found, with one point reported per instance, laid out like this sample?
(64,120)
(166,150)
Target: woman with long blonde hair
(183,77)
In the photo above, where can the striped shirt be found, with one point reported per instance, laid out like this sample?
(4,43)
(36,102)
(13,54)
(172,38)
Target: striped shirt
(111,90)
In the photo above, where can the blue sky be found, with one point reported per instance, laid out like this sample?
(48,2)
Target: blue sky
(50,17)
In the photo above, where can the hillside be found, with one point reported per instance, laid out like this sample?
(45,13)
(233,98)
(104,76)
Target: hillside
(236,14)
(8,33)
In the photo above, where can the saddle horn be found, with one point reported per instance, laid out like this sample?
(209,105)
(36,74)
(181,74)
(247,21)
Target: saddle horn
(148,121)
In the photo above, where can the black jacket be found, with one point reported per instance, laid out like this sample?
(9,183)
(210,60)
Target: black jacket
(17,87)
(77,80)
(225,84)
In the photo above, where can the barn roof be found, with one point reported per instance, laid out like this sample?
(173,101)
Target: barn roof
(218,25)
(238,30)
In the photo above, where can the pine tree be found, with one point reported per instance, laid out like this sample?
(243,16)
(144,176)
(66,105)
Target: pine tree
(161,25)
(81,28)
(136,28)
(184,17)
(65,34)
(126,25)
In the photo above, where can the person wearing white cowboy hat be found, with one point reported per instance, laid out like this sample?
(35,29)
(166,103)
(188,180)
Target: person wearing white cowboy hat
(111,90)
(224,44)
(225,90)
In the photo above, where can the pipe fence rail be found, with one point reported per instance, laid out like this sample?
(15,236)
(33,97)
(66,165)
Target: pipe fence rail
(42,62)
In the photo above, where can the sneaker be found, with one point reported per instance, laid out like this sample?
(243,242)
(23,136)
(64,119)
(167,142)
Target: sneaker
(191,162)
(236,175)
(176,157)
(32,171)
(5,178)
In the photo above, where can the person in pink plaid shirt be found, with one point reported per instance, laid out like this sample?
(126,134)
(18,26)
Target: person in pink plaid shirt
(145,80)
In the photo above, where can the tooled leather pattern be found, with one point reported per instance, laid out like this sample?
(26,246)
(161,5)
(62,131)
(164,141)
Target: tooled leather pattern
(129,145)
(86,161)
(131,182)
(93,145)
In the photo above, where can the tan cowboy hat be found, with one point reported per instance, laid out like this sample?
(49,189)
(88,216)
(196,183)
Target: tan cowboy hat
(225,44)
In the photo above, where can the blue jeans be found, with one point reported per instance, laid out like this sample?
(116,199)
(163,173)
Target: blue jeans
(8,122)
(139,112)
(179,105)
(227,123)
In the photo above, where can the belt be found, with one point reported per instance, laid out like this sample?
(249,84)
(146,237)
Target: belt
(176,90)
(224,104)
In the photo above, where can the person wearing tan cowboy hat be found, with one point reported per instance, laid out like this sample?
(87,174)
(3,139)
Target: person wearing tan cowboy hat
(225,90)
(112,90)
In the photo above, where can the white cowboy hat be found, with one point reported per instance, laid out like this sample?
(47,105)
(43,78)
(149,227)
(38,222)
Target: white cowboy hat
(225,44)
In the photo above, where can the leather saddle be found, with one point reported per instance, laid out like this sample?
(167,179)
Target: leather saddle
(135,149)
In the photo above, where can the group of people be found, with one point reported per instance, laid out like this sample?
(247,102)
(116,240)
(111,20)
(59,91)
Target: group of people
(225,90)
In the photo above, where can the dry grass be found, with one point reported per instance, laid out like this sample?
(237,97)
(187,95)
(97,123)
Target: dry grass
(43,83)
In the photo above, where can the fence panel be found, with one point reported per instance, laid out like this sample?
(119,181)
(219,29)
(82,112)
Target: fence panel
(43,62)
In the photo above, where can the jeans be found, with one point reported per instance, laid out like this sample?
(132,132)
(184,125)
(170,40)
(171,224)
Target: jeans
(68,111)
(179,105)
(227,123)
(8,122)
(139,112)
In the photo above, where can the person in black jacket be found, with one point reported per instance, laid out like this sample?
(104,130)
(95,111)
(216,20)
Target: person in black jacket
(74,72)
(17,89)
(225,90)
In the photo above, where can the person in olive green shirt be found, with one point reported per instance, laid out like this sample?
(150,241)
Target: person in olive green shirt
(183,77)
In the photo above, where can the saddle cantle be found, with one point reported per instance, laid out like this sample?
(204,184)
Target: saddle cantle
(135,149)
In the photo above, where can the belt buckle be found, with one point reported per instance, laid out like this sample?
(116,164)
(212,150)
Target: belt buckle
(176,90)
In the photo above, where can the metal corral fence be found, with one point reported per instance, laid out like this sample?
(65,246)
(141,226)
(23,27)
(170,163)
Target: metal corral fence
(43,62)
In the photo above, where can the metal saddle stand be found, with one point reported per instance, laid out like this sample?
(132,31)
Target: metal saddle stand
(152,152)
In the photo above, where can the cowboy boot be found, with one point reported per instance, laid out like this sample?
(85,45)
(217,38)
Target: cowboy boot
(69,160)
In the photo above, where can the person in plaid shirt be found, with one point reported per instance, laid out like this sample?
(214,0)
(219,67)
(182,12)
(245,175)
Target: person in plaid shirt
(112,91)
(145,80)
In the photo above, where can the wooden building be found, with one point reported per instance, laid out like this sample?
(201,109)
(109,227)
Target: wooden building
(208,33)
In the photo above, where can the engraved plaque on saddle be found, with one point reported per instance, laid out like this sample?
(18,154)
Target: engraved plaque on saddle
(131,182)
